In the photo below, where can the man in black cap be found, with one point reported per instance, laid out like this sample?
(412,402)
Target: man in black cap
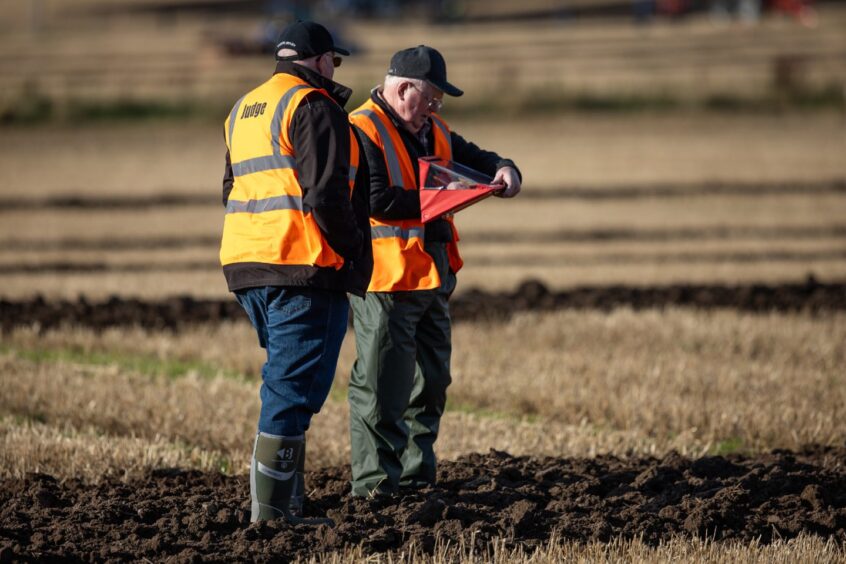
(398,385)
(296,239)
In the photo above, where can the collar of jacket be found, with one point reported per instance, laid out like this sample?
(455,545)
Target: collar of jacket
(338,92)
(376,96)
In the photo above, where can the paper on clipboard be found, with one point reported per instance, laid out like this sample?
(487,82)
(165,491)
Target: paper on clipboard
(436,199)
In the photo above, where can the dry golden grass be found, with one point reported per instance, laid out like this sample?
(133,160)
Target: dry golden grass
(476,252)
(61,418)
(91,454)
(642,149)
(766,258)
(553,151)
(130,160)
(152,257)
(804,548)
(99,286)
(98,225)
(650,213)
(637,252)
(765,380)
(564,384)
(493,215)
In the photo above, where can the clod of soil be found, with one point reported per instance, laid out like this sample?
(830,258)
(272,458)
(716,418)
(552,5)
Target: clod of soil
(193,515)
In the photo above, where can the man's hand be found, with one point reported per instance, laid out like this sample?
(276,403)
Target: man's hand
(509,177)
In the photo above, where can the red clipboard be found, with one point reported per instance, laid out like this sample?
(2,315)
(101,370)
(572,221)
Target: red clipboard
(436,200)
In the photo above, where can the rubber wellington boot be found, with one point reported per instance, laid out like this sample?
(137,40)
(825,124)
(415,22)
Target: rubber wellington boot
(272,479)
(298,495)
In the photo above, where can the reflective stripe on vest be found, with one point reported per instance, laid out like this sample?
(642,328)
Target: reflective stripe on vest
(232,117)
(276,124)
(391,155)
(261,164)
(444,135)
(395,178)
(443,148)
(266,205)
(384,231)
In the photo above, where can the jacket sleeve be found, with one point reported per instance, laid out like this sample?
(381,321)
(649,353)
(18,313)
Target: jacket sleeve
(469,154)
(387,201)
(358,271)
(321,139)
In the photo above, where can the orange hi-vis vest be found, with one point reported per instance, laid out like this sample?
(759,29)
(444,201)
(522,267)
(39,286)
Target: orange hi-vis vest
(266,220)
(399,261)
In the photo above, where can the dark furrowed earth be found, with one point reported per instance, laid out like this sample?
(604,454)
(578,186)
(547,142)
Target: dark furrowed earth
(194,516)
(473,304)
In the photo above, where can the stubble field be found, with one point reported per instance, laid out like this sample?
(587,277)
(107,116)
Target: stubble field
(649,352)
(643,421)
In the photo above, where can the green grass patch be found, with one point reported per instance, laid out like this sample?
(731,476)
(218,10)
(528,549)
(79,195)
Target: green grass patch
(731,445)
(486,413)
(140,364)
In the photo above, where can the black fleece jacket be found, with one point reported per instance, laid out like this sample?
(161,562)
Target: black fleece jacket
(319,132)
(394,202)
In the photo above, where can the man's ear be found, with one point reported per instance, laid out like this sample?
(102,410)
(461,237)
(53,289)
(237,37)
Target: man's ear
(402,89)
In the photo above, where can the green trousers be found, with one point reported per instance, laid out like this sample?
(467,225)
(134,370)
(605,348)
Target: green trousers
(398,384)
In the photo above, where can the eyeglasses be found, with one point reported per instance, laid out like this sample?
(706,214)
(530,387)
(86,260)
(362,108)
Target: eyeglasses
(434,104)
(336,60)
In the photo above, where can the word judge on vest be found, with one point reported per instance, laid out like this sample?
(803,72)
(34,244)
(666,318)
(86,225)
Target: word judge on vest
(398,385)
(296,239)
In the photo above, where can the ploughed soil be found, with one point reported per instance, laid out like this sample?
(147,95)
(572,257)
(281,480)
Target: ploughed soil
(193,516)
(176,312)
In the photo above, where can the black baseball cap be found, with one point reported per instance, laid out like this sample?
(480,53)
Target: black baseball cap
(308,39)
(424,63)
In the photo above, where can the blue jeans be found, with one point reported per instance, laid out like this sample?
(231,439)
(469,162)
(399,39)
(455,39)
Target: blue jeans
(301,330)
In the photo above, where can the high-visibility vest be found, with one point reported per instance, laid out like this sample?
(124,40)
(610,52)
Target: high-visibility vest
(400,262)
(266,220)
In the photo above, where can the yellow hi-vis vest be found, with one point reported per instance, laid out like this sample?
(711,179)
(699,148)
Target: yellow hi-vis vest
(399,261)
(266,220)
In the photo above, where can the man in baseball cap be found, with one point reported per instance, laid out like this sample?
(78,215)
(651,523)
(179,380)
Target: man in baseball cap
(397,390)
(296,240)
(424,63)
(302,40)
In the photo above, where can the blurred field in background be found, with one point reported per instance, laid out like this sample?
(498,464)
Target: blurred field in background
(94,57)
(684,151)
(134,210)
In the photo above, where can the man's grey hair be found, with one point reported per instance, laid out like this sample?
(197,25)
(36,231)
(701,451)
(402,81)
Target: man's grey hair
(285,52)
(392,79)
